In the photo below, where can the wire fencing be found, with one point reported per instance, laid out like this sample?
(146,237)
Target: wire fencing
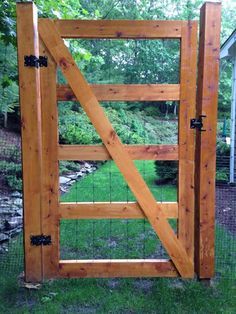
(108,238)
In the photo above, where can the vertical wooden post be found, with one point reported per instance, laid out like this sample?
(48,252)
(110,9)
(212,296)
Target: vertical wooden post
(186,135)
(50,175)
(207,96)
(29,86)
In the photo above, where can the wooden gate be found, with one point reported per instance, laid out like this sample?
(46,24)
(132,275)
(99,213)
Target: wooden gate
(192,249)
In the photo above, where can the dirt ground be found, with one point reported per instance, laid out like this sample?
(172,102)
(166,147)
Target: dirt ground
(226,207)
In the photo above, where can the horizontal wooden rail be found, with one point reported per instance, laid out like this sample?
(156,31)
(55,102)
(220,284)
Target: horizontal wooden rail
(117,268)
(117,29)
(99,152)
(114,210)
(121,92)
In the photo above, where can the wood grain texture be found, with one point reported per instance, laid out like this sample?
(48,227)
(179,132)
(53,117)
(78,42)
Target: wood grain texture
(114,210)
(208,74)
(29,87)
(116,268)
(119,92)
(88,101)
(187,106)
(118,29)
(50,173)
(136,152)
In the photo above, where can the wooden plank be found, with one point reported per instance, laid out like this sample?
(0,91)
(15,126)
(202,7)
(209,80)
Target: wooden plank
(136,152)
(29,85)
(116,268)
(113,144)
(114,210)
(120,92)
(208,69)
(50,173)
(188,76)
(118,29)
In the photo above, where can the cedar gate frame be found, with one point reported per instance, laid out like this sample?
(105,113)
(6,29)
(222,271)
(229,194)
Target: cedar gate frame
(192,249)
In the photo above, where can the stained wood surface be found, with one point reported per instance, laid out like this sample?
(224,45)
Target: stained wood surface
(114,210)
(208,74)
(136,152)
(117,268)
(50,173)
(188,74)
(29,87)
(119,92)
(118,29)
(88,101)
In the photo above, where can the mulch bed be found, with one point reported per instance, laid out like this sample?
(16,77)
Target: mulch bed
(226,207)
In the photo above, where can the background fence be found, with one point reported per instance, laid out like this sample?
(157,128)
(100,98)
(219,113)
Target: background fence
(78,183)
(111,238)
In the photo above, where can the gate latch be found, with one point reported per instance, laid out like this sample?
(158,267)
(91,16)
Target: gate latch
(33,61)
(40,240)
(197,123)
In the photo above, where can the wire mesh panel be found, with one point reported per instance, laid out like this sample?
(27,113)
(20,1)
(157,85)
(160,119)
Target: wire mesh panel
(101,181)
(139,61)
(11,207)
(225,231)
(109,239)
(116,127)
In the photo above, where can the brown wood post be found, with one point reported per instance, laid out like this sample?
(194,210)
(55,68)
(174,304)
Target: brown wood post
(29,86)
(205,169)
(186,141)
(50,172)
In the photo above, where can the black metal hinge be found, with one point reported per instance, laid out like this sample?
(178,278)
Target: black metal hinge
(40,240)
(33,61)
(197,123)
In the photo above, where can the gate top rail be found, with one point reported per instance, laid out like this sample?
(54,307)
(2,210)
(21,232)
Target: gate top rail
(120,29)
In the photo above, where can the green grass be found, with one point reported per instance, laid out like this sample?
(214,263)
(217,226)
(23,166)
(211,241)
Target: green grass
(86,239)
(107,184)
(123,295)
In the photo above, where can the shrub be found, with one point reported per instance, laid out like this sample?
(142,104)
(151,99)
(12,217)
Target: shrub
(69,166)
(222,149)
(14,183)
(75,135)
(166,171)
(222,175)
(12,173)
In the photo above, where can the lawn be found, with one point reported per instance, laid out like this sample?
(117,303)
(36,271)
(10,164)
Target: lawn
(107,184)
(113,238)
(117,239)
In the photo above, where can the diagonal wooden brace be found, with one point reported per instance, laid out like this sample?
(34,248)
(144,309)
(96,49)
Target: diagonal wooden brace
(95,112)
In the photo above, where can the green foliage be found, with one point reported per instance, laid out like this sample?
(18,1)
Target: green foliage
(166,171)
(222,149)
(222,174)
(225,88)
(119,61)
(11,174)
(10,153)
(14,182)
(75,128)
(133,126)
(8,77)
(68,166)
(7,21)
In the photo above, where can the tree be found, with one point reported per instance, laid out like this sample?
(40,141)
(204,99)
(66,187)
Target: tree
(119,61)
